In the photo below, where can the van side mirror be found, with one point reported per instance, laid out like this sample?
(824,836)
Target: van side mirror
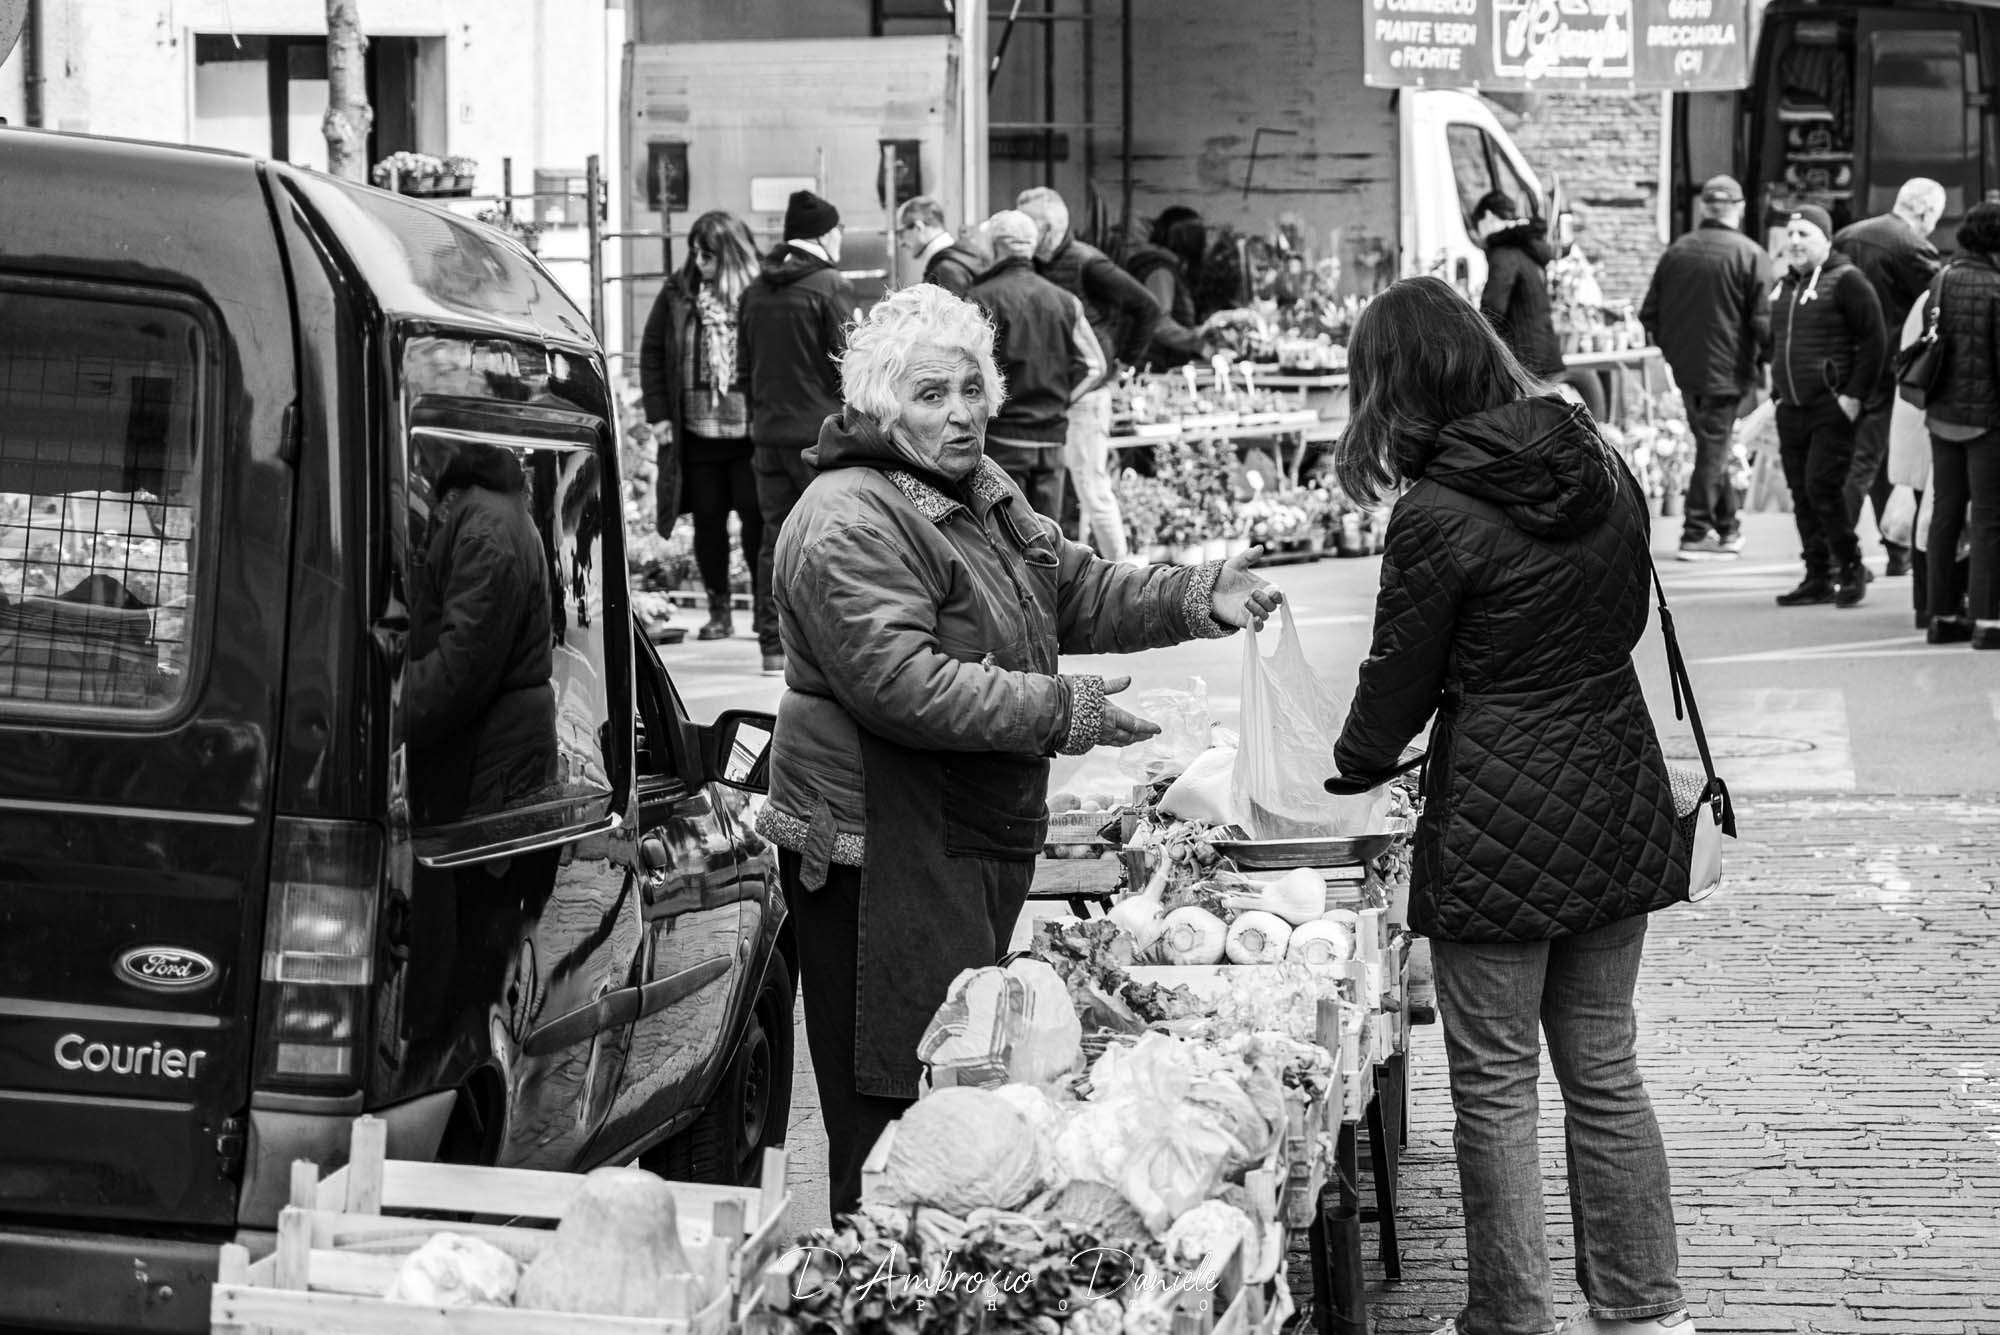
(736,750)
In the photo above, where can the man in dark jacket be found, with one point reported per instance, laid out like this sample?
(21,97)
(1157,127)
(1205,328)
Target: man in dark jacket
(1515,300)
(938,255)
(1122,314)
(790,333)
(1828,350)
(1048,358)
(1709,310)
(1895,254)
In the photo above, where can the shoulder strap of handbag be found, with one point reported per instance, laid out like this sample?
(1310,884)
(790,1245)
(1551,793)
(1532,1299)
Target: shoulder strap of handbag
(1933,304)
(1677,673)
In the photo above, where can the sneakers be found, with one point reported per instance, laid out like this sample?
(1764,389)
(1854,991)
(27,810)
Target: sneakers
(1711,548)
(1673,1323)
(1814,589)
(774,665)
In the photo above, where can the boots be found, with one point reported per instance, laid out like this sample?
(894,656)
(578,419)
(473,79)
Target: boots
(1852,586)
(720,626)
(1816,588)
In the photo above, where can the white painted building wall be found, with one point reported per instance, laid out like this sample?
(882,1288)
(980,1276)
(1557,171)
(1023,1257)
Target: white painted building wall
(534,80)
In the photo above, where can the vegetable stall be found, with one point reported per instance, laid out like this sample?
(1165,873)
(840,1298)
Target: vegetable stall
(1134,1123)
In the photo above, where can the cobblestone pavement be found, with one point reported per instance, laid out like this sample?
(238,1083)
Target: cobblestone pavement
(1821,1047)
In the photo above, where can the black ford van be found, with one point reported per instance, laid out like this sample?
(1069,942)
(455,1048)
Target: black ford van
(333,774)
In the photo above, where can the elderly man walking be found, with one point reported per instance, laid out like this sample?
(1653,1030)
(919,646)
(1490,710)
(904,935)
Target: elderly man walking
(1048,356)
(1709,310)
(1895,254)
(1122,314)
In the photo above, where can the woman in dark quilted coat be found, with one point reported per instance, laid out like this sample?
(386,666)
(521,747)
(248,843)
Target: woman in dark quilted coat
(1514,588)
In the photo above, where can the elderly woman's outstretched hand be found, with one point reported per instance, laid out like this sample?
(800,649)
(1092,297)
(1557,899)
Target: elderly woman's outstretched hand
(1242,599)
(1121,728)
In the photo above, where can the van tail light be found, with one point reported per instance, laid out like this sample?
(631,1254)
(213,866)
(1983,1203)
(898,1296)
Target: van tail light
(319,951)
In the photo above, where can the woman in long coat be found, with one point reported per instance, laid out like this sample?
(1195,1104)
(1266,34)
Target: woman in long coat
(1514,588)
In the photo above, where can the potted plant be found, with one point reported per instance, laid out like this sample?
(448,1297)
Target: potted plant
(408,173)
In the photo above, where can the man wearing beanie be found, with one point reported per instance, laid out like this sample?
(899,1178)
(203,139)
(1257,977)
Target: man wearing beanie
(791,331)
(1828,350)
(1048,357)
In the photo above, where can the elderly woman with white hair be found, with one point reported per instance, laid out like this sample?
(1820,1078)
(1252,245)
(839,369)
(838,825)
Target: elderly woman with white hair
(923,605)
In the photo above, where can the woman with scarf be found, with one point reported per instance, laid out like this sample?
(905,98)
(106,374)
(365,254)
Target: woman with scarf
(923,606)
(700,426)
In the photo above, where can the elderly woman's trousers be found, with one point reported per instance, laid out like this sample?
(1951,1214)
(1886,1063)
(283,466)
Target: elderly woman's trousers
(1495,1000)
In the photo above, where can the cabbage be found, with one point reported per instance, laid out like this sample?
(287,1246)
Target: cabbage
(1211,1229)
(962,1150)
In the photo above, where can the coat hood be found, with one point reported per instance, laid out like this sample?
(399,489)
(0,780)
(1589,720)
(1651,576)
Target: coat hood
(848,439)
(477,464)
(1528,234)
(788,264)
(1832,264)
(1538,459)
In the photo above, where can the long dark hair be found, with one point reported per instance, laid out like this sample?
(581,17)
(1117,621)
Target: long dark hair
(723,235)
(1420,357)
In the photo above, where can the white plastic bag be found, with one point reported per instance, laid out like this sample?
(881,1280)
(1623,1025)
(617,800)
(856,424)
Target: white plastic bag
(1184,732)
(1291,721)
(1899,516)
(1000,1026)
(1205,790)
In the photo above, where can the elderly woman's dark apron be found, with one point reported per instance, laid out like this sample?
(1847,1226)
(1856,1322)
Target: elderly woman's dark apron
(951,840)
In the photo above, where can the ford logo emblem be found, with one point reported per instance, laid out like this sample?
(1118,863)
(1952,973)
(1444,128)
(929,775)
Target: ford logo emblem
(168,968)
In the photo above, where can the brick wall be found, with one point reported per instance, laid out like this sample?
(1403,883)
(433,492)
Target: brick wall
(1606,149)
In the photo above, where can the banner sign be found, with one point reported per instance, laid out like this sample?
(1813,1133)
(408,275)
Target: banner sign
(1568,46)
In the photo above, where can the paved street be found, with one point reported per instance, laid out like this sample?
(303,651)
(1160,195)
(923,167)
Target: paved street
(1820,1042)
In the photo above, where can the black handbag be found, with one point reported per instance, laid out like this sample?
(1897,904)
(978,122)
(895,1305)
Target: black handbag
(1701,799)
(1918,366)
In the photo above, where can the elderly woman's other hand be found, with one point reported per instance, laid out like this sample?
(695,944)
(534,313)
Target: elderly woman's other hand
(1242,599)
(1121,728)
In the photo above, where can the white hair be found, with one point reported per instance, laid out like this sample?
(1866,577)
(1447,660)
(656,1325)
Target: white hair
(882,344)
(1920,197)
(1044,206)
(1011,227)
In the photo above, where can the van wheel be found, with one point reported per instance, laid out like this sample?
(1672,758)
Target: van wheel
(752,1106)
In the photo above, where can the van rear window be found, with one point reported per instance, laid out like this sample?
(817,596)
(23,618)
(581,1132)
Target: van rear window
(100,405)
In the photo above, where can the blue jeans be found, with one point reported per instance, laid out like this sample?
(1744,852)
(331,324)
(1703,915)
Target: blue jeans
(1579,989)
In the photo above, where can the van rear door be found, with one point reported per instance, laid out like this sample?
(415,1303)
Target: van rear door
(146,366)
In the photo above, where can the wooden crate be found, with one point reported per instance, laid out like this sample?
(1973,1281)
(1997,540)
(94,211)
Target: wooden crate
(342,1240)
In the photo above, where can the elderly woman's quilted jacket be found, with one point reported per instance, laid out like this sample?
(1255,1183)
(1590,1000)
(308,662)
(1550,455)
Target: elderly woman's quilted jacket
(1514,588)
